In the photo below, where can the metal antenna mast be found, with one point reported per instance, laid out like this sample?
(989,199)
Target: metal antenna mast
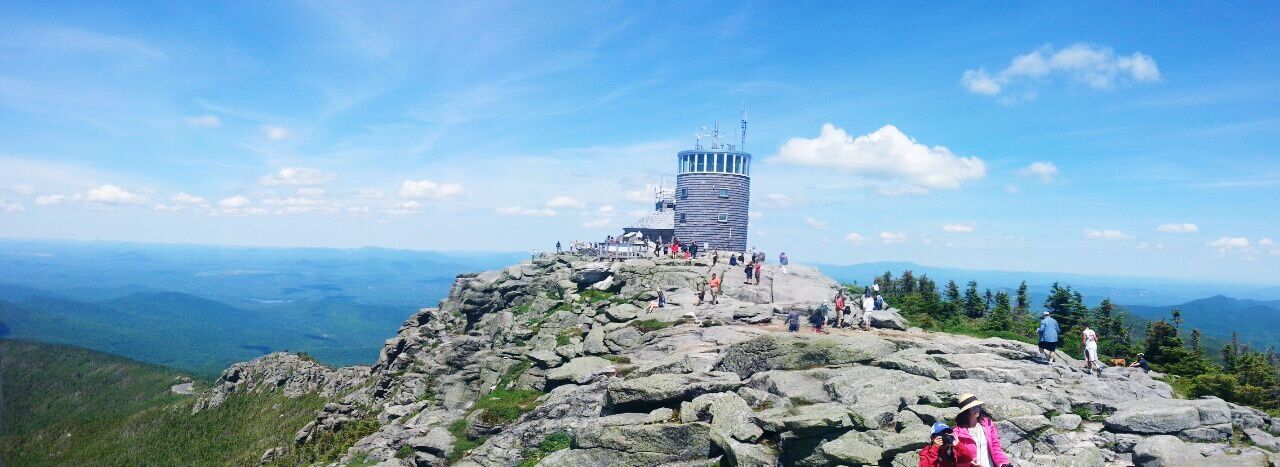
(742,145)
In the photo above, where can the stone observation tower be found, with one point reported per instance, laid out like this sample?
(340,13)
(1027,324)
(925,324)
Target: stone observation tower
(713,192)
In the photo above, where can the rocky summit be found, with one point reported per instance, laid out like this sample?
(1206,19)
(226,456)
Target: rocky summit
(561,360)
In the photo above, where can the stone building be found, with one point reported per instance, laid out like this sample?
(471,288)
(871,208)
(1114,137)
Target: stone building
(713,192)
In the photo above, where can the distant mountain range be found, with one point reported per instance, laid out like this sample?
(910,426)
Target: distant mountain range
(1257,322)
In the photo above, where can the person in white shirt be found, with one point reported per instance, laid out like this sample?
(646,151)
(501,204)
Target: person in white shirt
(1090,341)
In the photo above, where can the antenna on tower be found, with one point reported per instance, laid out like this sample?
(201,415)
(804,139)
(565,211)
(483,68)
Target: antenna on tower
(742,145)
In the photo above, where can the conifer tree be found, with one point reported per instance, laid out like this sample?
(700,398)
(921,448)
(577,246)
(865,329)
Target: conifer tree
(908,282)
(1024,301)
(973,304)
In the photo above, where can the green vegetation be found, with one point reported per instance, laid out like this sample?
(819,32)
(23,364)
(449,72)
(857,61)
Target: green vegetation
(328,446)
(551,443)
(506,405)
(521,309)
(404,452)
(566,335)
(1240,374)
(650,325)
(616,358)
(462,443)
(45,384)
(593,295)
(514,371)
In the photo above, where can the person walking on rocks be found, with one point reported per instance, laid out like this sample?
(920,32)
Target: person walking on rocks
(977,438)
(715,256)
(714,284)
(793,320)
(783,261)
(557,246)
(1090,341)
(748,270)
(819,318)
(702,292)
(1048,333)
(840,309)
(759,269)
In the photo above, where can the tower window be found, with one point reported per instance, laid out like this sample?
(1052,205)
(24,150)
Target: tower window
(680,217)
(684,193)
(724,217)
(724,193)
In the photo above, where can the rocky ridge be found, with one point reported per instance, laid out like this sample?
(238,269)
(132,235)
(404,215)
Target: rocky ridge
(561,345)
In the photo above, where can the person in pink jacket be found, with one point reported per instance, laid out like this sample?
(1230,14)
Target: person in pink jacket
(977,433)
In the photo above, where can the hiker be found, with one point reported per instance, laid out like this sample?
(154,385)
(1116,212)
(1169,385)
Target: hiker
(657,250)
(733,259)
(557,246)
(1090,341)
(693,250)
(702,292)
(977,438)
(818,318)
(1048,332)
(759,268)
(748,270)
(793,320)
(715,256)
(941,451)
(879,302)
(782,260)
(840,307)
(1141,363)
(714,283)
(662,299)
(875,286)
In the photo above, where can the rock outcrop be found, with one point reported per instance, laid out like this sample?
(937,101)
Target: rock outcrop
(562,346)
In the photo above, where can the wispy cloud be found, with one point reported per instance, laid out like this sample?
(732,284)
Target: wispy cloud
(1108,234)
(1094,66)
(1043,170)
(958,228)
(1178,227)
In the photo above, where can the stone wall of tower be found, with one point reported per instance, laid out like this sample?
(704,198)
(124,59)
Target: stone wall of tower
(699,205)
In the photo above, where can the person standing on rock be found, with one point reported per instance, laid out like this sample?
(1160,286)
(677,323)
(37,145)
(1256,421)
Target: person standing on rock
(1048,333)
(818,318)
(748,270)
(733,259)
(715,256)
(793,320)
(783,261)
(759,270)
(840,308)
(702,292)
(977,438)
(557,246)
(1090,341)
(714,284)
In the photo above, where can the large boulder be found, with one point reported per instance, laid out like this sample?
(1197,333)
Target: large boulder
(888,318)
(580,370)
(1166,416)
(590,274)
(1164,451)
(674,441)
(792,352)
(667,388)
(727,412)
(852,448)
(806,420)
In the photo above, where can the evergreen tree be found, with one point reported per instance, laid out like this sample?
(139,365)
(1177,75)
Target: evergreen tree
(927,288)
(988,301)
(1024,301)
(908,282)
(953,293)
(1195,342)
(1177,317)
(1001,317)
(973,304)
(886,283)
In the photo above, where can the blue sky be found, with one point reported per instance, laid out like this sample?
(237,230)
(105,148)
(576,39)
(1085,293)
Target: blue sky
(1088,138)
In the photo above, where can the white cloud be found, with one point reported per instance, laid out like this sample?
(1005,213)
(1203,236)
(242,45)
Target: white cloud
(49,200)
(1230,242)
(777,200)
(233,202)
(427,189)
(311,191)
(406,207)
(368,193)
(1185,227)
(1044,170)
(1012,189)
(817,224)
(606,211)
(12,207)
(297,176)
(204,121)
(565,202)
(885,155)
(24,189)
(113,195)
(183,198)
(596,223)
(276,133)
(1106,235)
(854,237)
(755,214)
(646,195)
(893,237)
(1093,66)
(1266,242)
(526,212)
(958,228)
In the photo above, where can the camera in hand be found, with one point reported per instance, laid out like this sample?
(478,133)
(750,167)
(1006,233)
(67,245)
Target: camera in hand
(948,439)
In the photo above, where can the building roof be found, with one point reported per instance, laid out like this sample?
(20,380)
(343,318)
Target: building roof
(664,219)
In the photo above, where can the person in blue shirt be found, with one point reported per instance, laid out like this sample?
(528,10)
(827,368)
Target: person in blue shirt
(1048,336)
